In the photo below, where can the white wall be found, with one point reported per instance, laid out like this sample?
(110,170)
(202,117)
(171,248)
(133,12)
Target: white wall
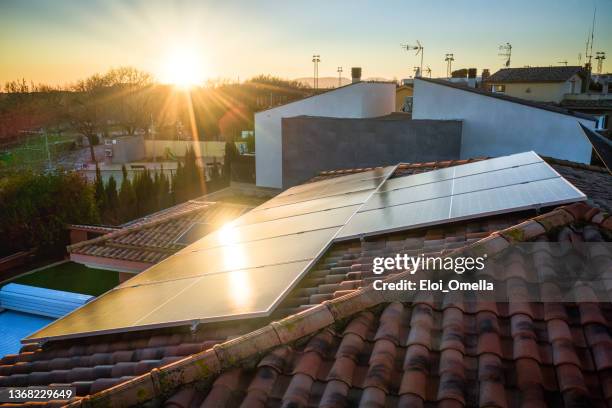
(495,127)
(361,100)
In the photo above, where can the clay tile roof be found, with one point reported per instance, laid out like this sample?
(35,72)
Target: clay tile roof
(364,346)
(152,238)
(535,74)
(334,341)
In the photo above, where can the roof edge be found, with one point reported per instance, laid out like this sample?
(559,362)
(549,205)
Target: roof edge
(326,92)
(139,226)
(207,365)
(512,99)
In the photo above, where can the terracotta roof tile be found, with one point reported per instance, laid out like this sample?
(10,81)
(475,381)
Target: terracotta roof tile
(361,348)
(153,238)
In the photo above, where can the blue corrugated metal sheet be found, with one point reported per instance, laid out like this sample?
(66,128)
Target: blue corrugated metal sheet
(40,301)
(25,309)
(14,326)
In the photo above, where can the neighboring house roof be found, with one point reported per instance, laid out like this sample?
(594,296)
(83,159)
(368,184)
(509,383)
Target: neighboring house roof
(532,104)
(535,74)
(595,104)
(150,239)
(339,343)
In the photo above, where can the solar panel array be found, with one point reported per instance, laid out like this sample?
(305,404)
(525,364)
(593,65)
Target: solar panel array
(509,183)
(243,269)
(247,267)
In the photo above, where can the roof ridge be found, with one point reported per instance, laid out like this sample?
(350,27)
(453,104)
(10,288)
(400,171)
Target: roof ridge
(207,365)
(146,224)
(576,165)
(511,99)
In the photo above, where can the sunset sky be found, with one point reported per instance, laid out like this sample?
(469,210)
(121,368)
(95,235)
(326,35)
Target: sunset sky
(61,41)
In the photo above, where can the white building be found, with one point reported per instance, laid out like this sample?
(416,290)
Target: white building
(498,125)
(358,100)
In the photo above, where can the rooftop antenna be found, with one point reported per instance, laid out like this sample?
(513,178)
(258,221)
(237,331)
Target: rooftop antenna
(600,56)
(449,58)
(506,51)
(579,58)
(428,70)
(339,77)
(315,60)
(588,51)
(417,72)
(419,49)
(564,62)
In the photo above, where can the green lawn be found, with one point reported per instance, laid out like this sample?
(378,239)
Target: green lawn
(72,277)
(32,153)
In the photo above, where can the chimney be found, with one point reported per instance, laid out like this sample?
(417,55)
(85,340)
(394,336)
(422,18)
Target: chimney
(485,74)
(472,77)
(356,74)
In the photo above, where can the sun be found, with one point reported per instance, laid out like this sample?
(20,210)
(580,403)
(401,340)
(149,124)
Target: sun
(183,68)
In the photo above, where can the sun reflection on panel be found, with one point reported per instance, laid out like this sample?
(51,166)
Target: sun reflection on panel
(228,235)
(241,289)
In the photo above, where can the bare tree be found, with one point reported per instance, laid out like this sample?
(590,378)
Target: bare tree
(116,96)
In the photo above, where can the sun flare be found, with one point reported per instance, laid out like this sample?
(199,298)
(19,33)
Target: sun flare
(182,67)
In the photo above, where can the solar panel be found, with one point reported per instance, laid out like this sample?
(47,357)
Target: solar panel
(504,184)
(449,173)
(236,294)
(461,185)
(271,251)
(244,268)
(247,267)
(235,234)
(367,181)
(306,207)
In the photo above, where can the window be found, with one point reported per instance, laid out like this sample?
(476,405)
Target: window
(498,88)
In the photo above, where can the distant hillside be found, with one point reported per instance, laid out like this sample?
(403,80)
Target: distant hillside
(331,82)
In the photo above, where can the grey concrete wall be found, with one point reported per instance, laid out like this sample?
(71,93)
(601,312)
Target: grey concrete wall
(128,149)
(314,144)
(359,100)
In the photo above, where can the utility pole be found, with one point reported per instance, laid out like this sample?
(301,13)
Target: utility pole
(339,77)
(316,59)
(47,149)
(449,61)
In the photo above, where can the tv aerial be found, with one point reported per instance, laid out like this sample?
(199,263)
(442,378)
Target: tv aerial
(449,58)
(419,50)
(506,52)
(600,56)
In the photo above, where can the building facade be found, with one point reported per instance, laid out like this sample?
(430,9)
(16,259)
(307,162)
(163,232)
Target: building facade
(496,125)
(542,84)
(358,100)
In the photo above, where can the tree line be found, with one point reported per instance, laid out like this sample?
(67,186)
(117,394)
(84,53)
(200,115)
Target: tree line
(151,191)
(35,208)
(129,99)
